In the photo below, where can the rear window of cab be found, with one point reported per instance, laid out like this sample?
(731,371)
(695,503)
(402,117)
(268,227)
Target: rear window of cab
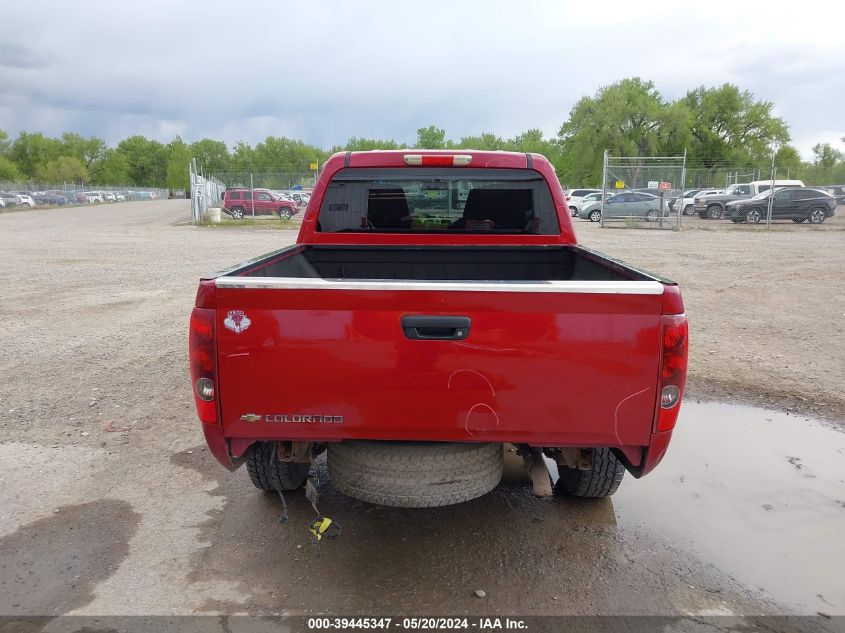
(438,200)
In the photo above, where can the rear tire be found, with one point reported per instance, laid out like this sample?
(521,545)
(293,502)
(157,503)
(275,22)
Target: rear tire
(689,210)
(285,213)
(237,212)
(415,474)
(602,480)
(753,216)
(817,215)
(595,216)
(573,211)
(714,212)
(651,216)
(268,473)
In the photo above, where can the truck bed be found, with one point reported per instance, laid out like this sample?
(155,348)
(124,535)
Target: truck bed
(562,346)
(494,264)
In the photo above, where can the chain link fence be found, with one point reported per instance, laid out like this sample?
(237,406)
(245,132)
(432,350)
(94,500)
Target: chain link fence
(638,192)
(670,192)
(256,190)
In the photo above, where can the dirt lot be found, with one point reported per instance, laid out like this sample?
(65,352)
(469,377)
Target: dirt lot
(111,505)
(766,308)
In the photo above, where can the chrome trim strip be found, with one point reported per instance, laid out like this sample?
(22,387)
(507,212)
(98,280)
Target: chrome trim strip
(390,285)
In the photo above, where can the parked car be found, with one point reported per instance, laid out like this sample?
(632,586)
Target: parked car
(575,197)
(24,199)
(9,199)
(624,205)
(284,195)
(837,191)
(419,352)
(239,202)
(712,207)
(799,204)
(54,198)
(92,197)
(688,202)
(300,198)
(108,196)
(119,197)
(590,199)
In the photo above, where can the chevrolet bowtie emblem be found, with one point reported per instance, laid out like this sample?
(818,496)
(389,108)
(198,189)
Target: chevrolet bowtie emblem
(250,417)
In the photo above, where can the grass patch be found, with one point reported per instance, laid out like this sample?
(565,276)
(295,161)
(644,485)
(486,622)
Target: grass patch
(267,223)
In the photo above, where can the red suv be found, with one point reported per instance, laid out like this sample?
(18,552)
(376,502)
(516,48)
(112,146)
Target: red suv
(239,202)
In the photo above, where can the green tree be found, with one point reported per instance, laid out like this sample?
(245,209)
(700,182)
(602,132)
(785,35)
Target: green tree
(625,118)
(5,143)
(88,150)
(484,141)
(178,160)
(31,151)
(244,161)
(825,156)
(533,141)
(63,169)
(211,155)
(787,161)
(729,127)
(111,169)
(146,161)
(8,170)
(356,144)
(431,137)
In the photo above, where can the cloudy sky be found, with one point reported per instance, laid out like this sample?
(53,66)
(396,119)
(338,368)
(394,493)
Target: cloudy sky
(325,71)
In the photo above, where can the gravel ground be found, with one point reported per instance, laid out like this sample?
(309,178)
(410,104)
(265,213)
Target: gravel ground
(766,308)
(111,505)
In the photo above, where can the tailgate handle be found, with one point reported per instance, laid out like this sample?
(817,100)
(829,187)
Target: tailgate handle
(436,328)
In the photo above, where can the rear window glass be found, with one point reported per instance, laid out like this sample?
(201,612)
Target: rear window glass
(438,200)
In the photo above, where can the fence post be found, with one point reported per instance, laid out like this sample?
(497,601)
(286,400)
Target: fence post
(193,182)
(683,189)
(252,195)
(771,195)
(603,189)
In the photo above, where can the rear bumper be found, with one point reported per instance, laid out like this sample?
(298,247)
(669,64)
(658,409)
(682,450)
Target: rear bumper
(218,445)
(638,460)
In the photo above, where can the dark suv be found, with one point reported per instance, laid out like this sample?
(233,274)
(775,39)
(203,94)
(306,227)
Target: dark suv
(240,202)
(798,204)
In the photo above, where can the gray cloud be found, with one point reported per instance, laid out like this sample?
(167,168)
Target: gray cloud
(324,71)
(17,53)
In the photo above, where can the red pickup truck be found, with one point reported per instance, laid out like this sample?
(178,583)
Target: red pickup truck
(436,307)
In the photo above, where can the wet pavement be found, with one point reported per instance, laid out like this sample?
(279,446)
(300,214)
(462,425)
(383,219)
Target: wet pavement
(745,516)
(759,494)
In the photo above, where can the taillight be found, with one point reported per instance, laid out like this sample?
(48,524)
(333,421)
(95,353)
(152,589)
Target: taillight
(203,364)
(674,347)
(433,160)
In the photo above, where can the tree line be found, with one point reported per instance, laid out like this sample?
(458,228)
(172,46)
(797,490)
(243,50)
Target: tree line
(718,127)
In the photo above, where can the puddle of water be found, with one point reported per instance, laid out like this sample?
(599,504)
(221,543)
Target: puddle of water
(759,494)
(52,565)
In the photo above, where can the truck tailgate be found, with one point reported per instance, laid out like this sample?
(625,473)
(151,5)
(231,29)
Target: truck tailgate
(541,365)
